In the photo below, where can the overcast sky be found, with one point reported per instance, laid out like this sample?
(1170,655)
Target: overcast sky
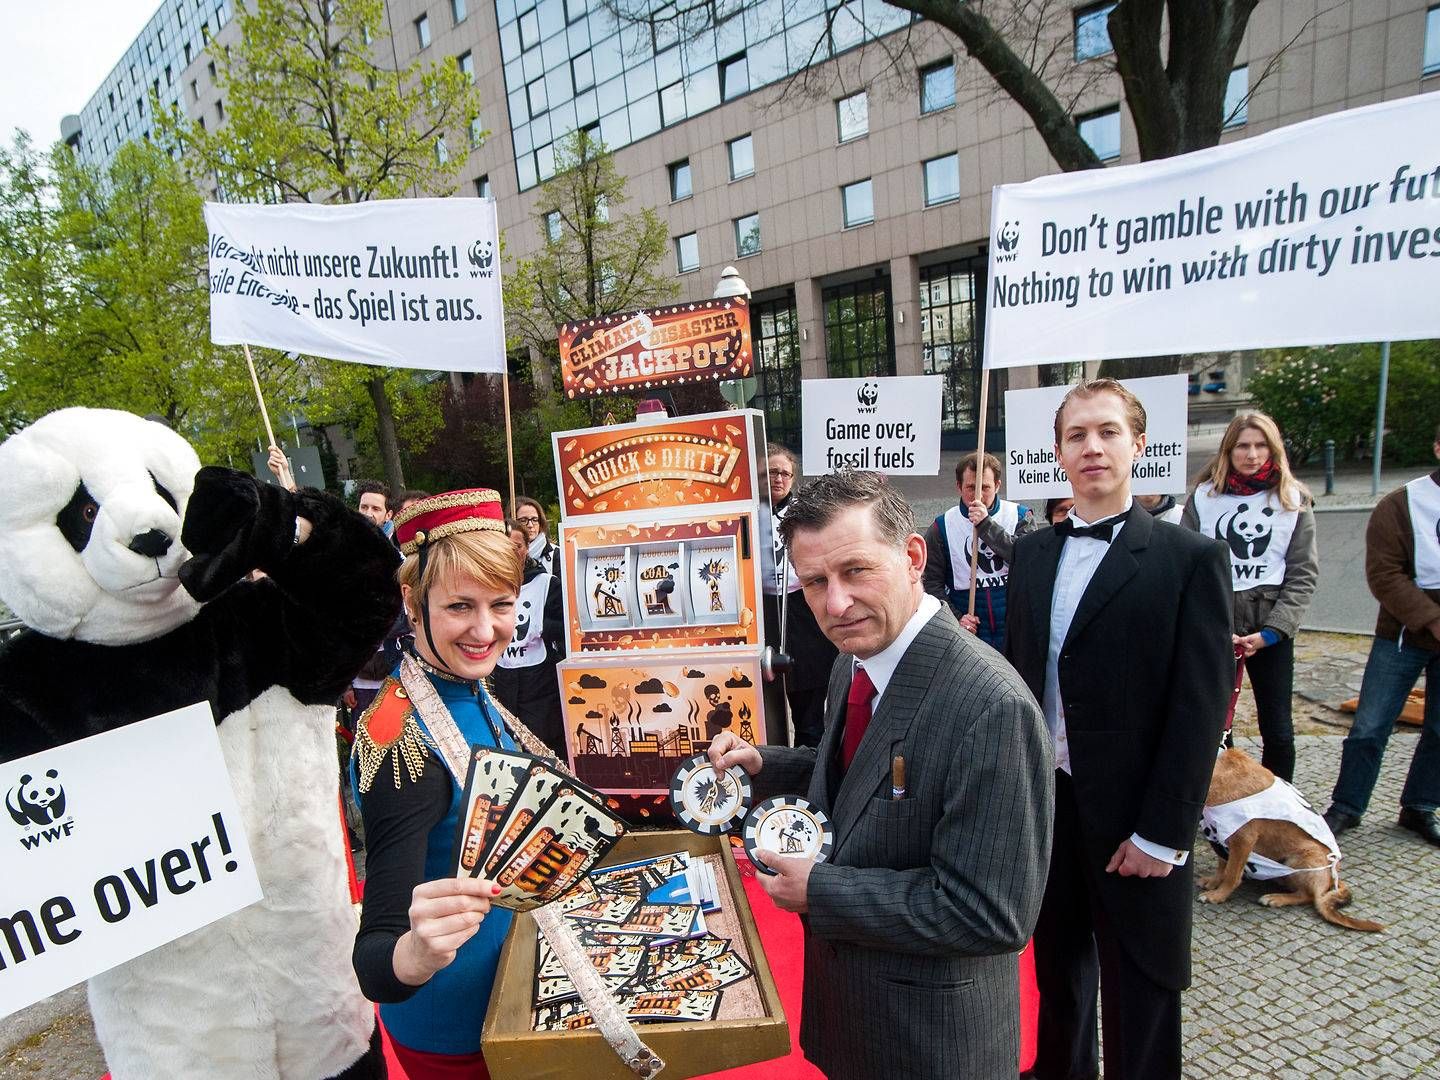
(54,54)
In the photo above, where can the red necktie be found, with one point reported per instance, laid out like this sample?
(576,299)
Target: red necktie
(857,714)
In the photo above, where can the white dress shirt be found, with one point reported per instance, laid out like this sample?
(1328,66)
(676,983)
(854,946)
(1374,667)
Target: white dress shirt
(1079,559)
(881,667)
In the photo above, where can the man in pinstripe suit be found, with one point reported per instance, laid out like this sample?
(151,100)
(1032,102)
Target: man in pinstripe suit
(913,926)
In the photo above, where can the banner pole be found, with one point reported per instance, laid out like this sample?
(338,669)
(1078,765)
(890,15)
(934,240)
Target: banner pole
(979,478)
(255,382)
(509,448)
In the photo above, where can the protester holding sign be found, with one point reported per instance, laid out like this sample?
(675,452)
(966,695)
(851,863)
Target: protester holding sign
(429,943)
(950,542)
(1248,498)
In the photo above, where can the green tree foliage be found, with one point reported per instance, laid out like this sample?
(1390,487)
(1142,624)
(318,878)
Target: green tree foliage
(596,260)
(312,116)
(1332,393)
(105,301)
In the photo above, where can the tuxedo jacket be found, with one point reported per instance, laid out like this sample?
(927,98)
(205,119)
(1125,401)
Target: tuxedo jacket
(915,922)
(1145,677)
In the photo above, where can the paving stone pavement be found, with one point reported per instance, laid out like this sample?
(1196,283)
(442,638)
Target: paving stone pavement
(1282,994)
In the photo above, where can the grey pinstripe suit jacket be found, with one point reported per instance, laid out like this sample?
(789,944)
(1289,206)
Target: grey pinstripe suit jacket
(915,924)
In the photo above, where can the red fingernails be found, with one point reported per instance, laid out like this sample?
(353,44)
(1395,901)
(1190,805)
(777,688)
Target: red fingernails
(494,890)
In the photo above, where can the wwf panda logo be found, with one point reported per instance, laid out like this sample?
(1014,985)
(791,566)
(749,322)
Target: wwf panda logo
(36,802)
(481,254)
(1246,530)
(516,648)
(1008,238)
(989,564)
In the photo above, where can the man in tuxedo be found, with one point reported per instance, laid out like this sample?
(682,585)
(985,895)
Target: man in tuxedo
(913,925)
(1120,625)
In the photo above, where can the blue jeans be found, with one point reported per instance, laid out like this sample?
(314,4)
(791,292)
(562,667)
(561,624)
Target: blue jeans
(1390,675)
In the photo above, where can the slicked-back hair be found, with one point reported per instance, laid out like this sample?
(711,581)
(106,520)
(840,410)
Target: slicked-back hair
(824,498)
(1134,410)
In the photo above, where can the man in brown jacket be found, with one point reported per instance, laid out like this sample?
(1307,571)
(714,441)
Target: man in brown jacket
(1402,567)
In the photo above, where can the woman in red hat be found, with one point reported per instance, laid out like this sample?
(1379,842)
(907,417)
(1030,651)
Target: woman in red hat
(429,942)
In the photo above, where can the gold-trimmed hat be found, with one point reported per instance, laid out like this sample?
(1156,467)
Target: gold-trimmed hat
(438,516)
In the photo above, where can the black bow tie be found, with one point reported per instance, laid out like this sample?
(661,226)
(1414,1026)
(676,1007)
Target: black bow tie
(1101,530)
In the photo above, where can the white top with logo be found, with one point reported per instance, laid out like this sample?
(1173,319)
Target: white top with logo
(991,569)
(527,647)
(1256,528)
(782,557)
(1423,495)
(1279,802)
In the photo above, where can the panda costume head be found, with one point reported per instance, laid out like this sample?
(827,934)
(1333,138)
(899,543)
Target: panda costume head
(90,526)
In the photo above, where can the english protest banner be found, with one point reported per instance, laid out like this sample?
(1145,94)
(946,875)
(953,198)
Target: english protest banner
(1315,233)
(640,350)
(409,283)
(1031,471)
(889,425)
(112,846)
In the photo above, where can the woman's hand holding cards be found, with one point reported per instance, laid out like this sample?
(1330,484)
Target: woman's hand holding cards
(444,914)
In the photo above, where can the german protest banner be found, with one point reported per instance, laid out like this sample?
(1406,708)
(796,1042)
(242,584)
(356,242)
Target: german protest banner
(112,846)
(409,283)
(1032,472)
(889,425)
(640,350)
(1315,233)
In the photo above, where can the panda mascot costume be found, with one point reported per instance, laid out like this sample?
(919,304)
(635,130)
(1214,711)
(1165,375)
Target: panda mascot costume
(127,562)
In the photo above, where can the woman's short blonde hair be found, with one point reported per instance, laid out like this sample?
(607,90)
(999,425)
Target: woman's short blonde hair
(486,556)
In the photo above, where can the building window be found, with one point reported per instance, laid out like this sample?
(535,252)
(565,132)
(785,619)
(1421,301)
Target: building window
(535,97)
(1432,41)
(220,111)
(776,335)
(950,338)
(529,29)
(574,10)
(734,77)
(942,179)
(1101,131)
(672,104)
(680,180)
(552,226)
(477,133)
(442,152)
(169,75)
(937,86)
(742,157)
(194,90)
(187,52)
(422,31)
(747,235)
(853,116)
(1092,31)
(205,32)
(687,253)
(466,62)
(482,186)
(457,9)
(210,69)
(859,340)
(858,203)
(582,71)
(1237,97)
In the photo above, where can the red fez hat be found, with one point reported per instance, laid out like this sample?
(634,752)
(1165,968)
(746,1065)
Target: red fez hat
(438,516)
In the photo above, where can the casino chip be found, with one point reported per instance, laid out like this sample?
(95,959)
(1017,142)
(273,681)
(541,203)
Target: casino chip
(708,802)
(788,825)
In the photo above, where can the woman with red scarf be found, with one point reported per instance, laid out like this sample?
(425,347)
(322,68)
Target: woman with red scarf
(1248,498)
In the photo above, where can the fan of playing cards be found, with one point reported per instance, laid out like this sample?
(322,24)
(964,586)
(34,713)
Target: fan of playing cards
(529,828)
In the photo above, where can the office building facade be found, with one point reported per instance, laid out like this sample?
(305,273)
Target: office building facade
(840,156)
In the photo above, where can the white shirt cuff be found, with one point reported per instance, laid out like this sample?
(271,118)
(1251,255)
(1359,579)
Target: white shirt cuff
(1173,856)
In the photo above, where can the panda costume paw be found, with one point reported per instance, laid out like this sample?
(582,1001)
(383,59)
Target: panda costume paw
(93,555)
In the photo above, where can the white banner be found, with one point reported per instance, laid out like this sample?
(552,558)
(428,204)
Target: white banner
(113,845)
(1321,232)
(889,425)
(1031,471)
(398,282)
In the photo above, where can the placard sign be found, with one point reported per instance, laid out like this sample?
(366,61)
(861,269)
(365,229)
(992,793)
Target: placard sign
(1311,234)
(1031,471)
(113,845)
(889,425)
(400,282)
(639,350)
